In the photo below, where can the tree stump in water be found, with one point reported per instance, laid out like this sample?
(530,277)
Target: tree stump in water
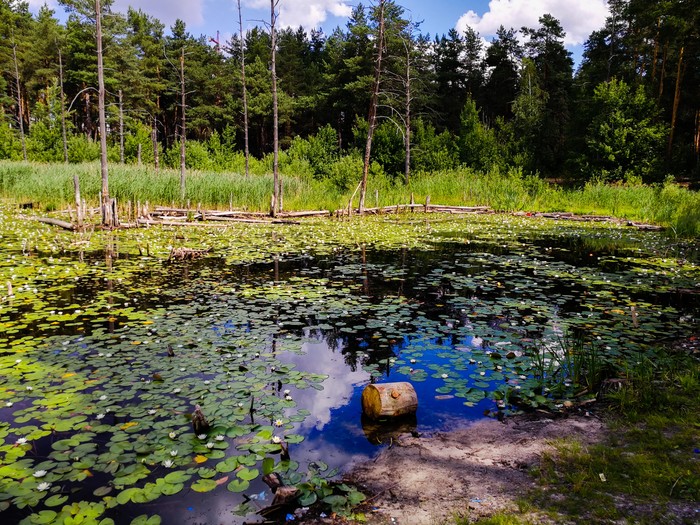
(389,400)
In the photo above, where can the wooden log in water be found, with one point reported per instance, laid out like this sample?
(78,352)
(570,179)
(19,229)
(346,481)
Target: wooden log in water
(388,400)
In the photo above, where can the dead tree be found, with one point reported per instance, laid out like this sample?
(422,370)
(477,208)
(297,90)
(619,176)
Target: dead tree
(276,179)
(183,139)
(121,128)
(109,209)
(372,120)
(245,94)
(63,111)
(20,107)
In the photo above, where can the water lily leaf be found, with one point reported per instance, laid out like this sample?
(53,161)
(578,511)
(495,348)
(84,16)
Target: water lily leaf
(103,491)
(204,485)
(45,516)
(177,477)
(238,485)
(55,500)
(247,474)
(144,519)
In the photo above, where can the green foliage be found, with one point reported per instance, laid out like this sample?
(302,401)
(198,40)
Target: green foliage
(82,149)
(625,136)
(477,143)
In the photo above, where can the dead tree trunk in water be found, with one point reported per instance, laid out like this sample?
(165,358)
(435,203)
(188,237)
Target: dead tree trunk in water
(109,209)
(245,94)
(372,120)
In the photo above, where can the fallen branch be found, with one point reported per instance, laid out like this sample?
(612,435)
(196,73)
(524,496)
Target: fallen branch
(187,254)
(55,222)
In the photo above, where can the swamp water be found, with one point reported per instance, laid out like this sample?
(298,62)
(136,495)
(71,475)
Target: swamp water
(275,333)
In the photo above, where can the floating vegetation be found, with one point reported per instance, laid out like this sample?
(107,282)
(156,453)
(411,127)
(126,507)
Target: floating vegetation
(107,347)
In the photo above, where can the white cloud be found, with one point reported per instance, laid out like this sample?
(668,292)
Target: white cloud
(35,5)
(309,14)
(578,19)
(167,11)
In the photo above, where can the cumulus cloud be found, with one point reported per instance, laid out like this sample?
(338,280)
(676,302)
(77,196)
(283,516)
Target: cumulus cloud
(309,14)
(167,11)
(578,19)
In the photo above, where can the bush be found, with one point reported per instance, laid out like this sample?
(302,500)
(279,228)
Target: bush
(82,149)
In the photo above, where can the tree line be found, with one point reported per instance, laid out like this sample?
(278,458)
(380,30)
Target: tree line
(630,112)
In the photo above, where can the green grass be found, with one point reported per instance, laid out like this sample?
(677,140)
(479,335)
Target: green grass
(650,458)
(51,185)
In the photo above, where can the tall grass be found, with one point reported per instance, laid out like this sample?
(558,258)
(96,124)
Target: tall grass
(51,185)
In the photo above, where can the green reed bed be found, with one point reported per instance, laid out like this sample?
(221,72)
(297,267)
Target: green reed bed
(51,185)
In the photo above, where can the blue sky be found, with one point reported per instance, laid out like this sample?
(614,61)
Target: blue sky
(579,18)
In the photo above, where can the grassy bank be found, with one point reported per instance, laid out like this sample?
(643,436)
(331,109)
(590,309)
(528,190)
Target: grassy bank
(646,472)
(51,185)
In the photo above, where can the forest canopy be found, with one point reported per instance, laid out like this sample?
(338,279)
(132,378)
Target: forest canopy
(629,113)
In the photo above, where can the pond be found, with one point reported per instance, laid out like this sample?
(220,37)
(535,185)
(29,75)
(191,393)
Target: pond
(107,346)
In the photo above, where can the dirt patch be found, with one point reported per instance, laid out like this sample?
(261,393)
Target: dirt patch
(477,470)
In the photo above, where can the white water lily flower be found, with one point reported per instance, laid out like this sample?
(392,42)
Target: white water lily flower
(40,474)
(173,453)
(103,397)
(276,439)
(288,398)
(44,485)
(287,392)
(9,404)
(413,360)
(219,437)
(30,388)
(202,436)
(445,376)
(172,435)
(151,412)
(168,463)
(279,423)
(210,444)
(177,390)
(100,416)
(21,441)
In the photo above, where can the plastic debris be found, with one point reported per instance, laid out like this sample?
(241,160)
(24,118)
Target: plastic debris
(602,477)
(290,517)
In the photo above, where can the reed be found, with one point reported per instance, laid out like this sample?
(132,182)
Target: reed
(51,185)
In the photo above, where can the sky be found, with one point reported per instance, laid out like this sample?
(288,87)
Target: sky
(207,17)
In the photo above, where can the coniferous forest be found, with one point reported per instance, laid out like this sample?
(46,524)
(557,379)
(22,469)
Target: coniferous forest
(629,113)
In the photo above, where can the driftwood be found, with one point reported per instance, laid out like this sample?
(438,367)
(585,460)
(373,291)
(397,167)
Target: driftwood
(55,222)
(186,254)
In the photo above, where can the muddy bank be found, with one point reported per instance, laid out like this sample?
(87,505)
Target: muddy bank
(474,471)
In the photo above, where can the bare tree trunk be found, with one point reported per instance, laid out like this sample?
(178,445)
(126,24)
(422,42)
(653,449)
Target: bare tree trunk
(121,127)
(277,197)
(109,218)
(372,120)
(20,107)
(676,101)
(182,125)
(154,139)
(407,118)
(245,94)
(63,107)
